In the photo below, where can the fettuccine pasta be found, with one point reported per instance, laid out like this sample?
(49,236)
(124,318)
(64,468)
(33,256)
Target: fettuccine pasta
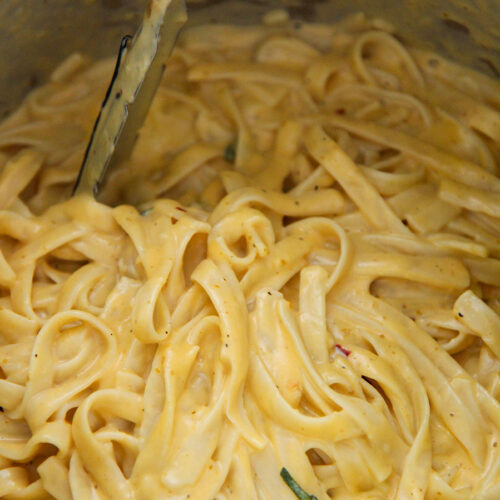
(292,288)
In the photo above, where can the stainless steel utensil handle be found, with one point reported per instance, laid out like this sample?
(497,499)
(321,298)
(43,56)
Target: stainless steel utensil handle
(138,72)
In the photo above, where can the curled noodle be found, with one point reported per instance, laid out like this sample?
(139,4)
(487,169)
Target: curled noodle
(299,272)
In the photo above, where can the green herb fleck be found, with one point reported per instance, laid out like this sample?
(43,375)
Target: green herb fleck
(230,152)
(293,485)
(146,212)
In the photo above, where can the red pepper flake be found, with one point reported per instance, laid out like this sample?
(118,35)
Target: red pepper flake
(181,209)
(340,111)
(343,350)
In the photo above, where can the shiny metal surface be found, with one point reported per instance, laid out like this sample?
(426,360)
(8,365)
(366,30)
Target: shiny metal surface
(35,35)
(137,75)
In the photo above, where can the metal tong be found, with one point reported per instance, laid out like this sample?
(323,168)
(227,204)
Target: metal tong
(138,71)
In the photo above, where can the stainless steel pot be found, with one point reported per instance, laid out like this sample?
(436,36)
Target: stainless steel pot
(35,35)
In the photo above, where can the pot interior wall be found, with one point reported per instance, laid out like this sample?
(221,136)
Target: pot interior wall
(36,36)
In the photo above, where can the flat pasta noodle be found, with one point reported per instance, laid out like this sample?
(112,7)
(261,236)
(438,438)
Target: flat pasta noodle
(295,292)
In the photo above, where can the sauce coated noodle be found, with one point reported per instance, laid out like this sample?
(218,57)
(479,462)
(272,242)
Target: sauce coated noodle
(323,295)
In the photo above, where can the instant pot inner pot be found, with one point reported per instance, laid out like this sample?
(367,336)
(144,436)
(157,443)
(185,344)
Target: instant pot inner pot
(36,36)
